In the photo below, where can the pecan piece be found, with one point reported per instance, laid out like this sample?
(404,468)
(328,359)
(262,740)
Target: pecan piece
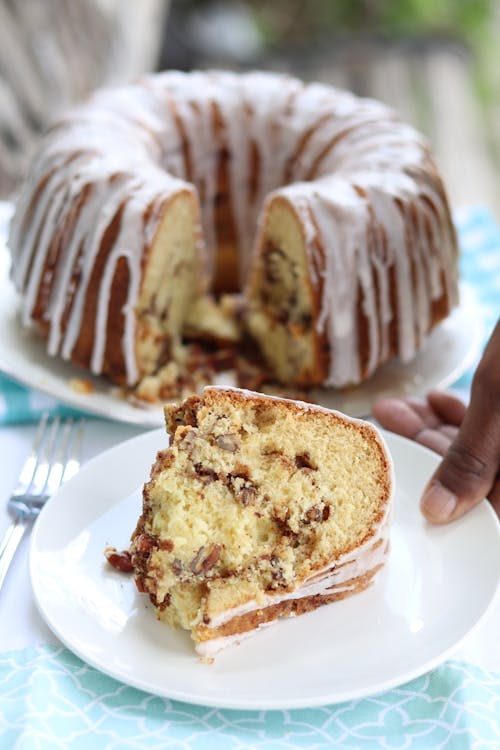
(227,442)
(145,543)
(318,513)
(160,605)
(119,560)
(187,438)
(212,558)
(166,544)
(244,491)
(203,561)
(278,579)
(205,473)
(247,495)
(314,514)
(177,566)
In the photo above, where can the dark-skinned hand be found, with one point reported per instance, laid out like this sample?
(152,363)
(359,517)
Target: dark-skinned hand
(468,438)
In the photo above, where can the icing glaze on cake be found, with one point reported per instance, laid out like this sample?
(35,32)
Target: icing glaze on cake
(227,152)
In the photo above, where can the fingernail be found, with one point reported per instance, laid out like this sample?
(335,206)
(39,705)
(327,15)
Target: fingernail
(438,503)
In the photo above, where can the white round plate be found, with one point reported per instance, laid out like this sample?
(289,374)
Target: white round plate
(451,349)
(438,584)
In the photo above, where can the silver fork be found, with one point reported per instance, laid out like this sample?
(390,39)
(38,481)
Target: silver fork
(54,458)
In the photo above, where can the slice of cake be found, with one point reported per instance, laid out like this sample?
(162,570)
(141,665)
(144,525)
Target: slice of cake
(260,508)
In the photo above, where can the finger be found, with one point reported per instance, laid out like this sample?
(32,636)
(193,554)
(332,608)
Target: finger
(468,471)
(397,415)
(400,415)
(449,430)
(449,408)
(494,497)
(423,409)
(437,440)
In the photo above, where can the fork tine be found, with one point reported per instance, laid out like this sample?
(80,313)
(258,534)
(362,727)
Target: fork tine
(53,459)
(58,456)
(46,455)
(28,470)
(73,451)
(65,462)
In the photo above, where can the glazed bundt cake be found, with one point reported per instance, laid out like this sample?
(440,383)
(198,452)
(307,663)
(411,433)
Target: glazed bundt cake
(322,209)
(260,508)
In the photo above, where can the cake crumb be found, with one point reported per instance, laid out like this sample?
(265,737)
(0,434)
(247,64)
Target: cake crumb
(81,385)
(206,660)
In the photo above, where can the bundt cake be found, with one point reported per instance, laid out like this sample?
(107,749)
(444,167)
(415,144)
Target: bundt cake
(322,209)
(260,508)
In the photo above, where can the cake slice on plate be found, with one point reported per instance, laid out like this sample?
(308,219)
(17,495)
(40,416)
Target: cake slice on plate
(260,508)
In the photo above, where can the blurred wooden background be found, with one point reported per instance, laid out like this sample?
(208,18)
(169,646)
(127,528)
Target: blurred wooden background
(432,87)
(426,65)
(53,52)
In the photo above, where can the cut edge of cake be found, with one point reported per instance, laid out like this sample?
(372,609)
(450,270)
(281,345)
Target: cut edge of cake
(241,525)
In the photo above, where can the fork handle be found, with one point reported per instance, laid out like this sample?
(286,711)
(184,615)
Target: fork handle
(10,543)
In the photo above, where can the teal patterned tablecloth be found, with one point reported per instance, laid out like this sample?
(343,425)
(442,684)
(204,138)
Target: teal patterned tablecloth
(50,699)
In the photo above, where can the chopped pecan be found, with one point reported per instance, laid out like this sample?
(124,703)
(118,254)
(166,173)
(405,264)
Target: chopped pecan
(212,558)
(277,575)
(177,566)
(227,442)
(247,495)
(281,513)
(318,513)
(187,438)
(160,605)
(205,473)
(314,514)
(187,414)
(145,543)
(203,561)
(120,560)
(244,491)
(166,544)
(241,470)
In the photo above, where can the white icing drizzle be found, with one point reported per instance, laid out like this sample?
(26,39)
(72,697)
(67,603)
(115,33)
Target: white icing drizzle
(363,186)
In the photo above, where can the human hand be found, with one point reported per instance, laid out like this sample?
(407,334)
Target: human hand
(468,438)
